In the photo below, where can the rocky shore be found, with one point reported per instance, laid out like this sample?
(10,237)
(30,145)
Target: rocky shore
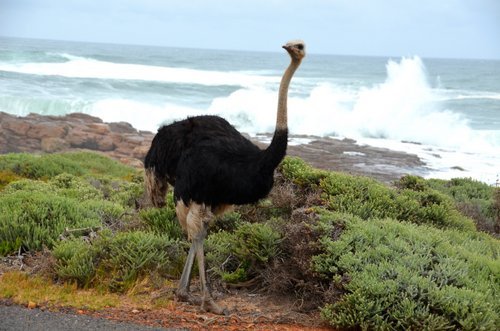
(49,134)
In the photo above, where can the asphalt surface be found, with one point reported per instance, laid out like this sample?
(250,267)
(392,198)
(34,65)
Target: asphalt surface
(17,318)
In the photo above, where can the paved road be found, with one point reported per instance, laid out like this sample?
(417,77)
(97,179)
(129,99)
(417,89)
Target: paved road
(16,318)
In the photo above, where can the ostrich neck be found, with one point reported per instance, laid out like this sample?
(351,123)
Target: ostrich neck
(276,151)
(281,119)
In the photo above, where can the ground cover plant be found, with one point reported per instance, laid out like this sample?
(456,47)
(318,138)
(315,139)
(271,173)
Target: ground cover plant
(421,254)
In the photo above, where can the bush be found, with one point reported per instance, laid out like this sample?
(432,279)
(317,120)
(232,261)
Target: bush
(406,276)
(474,199)
(50,165)
(46,194)
(34,213)
(6,177)
(120,191)
(31,220)
(243,254)
(75,261)
(414,201)
(116,262)
(162,221)
(300,173)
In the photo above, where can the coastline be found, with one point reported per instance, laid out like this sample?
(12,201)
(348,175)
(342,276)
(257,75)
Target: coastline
(48,134)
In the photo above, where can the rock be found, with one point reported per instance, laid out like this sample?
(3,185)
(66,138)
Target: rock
(52,144)
(99,128)
(105,144)
(17,127)
(140,152)
(46,129)
(36,133)
(122,127)
(82,118)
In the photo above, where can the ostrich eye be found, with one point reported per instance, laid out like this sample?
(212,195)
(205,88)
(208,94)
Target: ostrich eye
(300,46)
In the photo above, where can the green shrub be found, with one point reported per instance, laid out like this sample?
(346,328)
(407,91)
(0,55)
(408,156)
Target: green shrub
(50,165)
(242,254)
(116,262)
(35,213)
(6,177)
(162,221)
(411,182)
(462,189)
(131,255)
(38,166)
(299,172)
(432,208)
(474,199)
(75,261)
(404,276)
(123,192)
(74,187)
(46,194)
(358,195)
(414,201)
(36,219)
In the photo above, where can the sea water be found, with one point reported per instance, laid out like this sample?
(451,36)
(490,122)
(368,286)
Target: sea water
(447,111)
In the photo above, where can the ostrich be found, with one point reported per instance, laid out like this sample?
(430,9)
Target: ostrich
(212,167)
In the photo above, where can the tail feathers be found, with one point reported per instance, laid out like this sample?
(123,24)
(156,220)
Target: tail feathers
(155,188)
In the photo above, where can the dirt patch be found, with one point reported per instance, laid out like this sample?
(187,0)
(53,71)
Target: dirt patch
(247,312)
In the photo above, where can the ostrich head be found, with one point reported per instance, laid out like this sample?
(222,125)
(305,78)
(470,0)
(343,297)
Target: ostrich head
(296,49)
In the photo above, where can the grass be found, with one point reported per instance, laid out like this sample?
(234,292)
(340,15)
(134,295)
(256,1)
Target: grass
(33,290)
(22,289)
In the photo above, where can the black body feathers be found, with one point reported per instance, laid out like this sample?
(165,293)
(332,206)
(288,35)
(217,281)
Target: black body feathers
(209,162)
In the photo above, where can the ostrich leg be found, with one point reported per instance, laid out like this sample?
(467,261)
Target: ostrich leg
(196,218)
(207,302)
(183,289)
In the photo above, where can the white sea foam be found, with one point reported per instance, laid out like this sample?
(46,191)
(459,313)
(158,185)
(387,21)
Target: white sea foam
(79,67)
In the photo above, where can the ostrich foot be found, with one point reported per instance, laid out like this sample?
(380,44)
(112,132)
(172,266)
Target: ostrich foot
(187,297)
(207,305)
(210,306)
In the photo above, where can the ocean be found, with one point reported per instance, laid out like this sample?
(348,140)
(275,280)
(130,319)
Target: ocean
(446,111)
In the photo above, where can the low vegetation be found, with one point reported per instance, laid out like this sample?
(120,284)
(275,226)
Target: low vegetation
(422,254)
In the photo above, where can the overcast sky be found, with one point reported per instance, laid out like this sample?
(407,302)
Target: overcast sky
(429,28)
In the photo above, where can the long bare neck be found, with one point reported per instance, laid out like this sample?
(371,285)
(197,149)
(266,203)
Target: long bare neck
(282,119)
(276,151)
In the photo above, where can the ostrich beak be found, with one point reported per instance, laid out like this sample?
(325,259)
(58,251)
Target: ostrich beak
(287,47)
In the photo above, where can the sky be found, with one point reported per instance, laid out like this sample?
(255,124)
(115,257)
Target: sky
(428,28)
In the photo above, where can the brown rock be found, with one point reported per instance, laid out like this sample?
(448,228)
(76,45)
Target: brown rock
(52,144)
(140,152)
(105,144)
(47,129)
(17,126)
(122,127)
(78,136)
(134,139)
(81,118)
(99,128)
